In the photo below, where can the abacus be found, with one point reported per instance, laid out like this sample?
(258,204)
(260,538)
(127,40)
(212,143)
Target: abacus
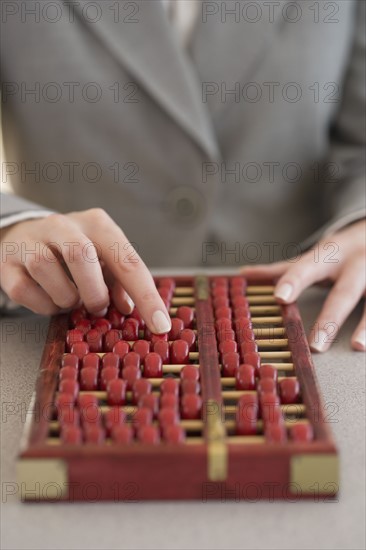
(225,406)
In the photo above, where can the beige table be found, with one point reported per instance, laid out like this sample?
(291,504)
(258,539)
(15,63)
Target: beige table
(261,525)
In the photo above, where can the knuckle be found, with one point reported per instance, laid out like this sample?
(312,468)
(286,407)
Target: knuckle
(99,216)
(96,305)
(16,290)
(67,302)
(148,296)
(36,264)
(57,220)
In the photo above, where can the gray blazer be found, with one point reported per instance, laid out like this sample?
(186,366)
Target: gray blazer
(241,149)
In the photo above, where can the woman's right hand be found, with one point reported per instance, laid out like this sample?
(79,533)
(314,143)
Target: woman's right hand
(53,263)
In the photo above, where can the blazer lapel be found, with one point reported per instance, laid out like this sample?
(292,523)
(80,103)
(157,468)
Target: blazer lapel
(141,37)
(229,42)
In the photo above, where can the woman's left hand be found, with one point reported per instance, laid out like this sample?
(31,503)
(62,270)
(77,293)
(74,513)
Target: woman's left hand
(339,259)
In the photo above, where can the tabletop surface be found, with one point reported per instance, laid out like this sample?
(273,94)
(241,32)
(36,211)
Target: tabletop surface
(215,525)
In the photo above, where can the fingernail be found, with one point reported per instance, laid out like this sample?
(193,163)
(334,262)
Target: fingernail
(101,313)
(130,303)
(161,323)
(284,292)
(321,342)
(361,339)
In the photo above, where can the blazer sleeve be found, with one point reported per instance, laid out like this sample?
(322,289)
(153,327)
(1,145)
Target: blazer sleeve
(345,184)
(14,209)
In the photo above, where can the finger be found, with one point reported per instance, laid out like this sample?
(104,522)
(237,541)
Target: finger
(121,299)
(128,268)
(358,340)
(23,290)
(265,271)
(47,271)
(299,276)
(341,301)
(81,258)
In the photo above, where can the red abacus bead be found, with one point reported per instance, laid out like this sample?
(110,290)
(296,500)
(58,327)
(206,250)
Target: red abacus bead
(223,313)
(289,390)
(68,373)
(191,405)
(166,293)
(116,392)
(158,338)
(111,338)
(121,348)
(248,400)
(91,360)
(226,335)
(70,360)
(110,359)
(177,327)
(95,340)
(114,417)
(268,402)
(71,435)
(131,374)
(254,359)
(228,346)
(69,415)
(241,312)
(69,386)
(153,366)
(275,433)
(230,364)
(235,292)
(223,324)
(220,291)
(102,325)
(219,282)
(190,372)
(267,371)
(107,374)
(170,385)
(248,347)
(162,348)
(238,281)
(220,301)
(132,359)
(189,386)
(142,417)
(115,317)
(173,434)
(169,400)
(272,415)
(85,400)
(89,410)
(93,433)
(122,434)
(150,401)
(245,377)
(130,329)
(301,432)
(168,415)
(244,425)
(267,385)
(186,314)
(64,400)
(240,301)
(142,348)
(166,282)
(73,336)
(77,315)
(141,387)
(89,379)
(179,352)
(149,435)
(189,336)
(135,314)
(84,325)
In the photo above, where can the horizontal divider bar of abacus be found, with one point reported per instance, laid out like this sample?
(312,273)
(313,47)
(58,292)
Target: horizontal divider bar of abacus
(254,310)
(194,356)
(252,300)
(251,289)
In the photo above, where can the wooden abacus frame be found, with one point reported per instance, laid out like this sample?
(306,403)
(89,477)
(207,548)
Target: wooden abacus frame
(216,466)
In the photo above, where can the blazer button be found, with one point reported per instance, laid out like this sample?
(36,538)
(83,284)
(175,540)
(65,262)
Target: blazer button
(184,205)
